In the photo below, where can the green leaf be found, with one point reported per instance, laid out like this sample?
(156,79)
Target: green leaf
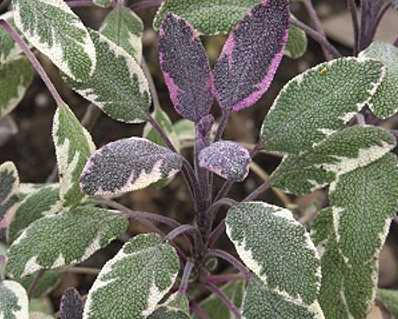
(319,102)
(39,315)
(132,283)
(123,27)
(273,245)
(297,43)
(15,78)
(9,184)
(13,301)
(47,283)
(73,147)
(57,32)
(209,17)
(176,307)
(340,153)
(383,104)
(9,50)
(185,131)
(118,86)
(261,302)
(64,239)
(103,3)
(389,299)
(42,305)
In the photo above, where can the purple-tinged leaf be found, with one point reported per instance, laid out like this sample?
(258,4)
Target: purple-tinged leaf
(203,130)
(71,305)
(185,68)
(251,55)
(126,165)
(227,159)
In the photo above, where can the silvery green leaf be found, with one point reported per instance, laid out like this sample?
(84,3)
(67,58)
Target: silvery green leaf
(274,246)
(340,153)
(64,239)
(9,184)
(13,301)
(71,305)
(3,253)
(389,299)
(176,307)
(123,27)
(103,3)
(15,78)
(137,278)
(126,165)
(46,284)
(73,146)
(207,16)
(9,50)
(261,302)
(185,131)
(37,204)
(118,86)
(227,159)
(319,102)
(53,28)
(383,104)
(297,43)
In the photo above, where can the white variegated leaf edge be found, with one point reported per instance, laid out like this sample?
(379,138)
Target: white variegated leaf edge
(22,297)
(10,166)
(16,51)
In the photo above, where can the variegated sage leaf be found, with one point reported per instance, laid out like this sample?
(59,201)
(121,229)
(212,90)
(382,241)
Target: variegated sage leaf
(383,103)
(71,305)
(46,284)
(176,307)
(186,68)
(13,301)
(103,3)
(209,17)
(227,159)
(53,28)
(274,246)
(261,302)
(340,153)
(123,27)
(297,43)
(9,50)
(251,55)
(389,299)
(118,86)
(126,165)
(138,277)
(64,239)
(73,146)
(15,78)
(9,185)
(319,102)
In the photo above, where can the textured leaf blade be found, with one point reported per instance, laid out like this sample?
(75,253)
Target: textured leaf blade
(56,31)
(9,50)
(46,284)
(273,245)
(13,301)
(165,312)
(123,27)
(319,102)
(103,3)
(127,165)
(71,305)
(73,146)
(297,43)
(246,68)
(389,299)
(64,239)
(340,153)
(138,277)
(118,86)
(227,159)
(9,185)
(186,69)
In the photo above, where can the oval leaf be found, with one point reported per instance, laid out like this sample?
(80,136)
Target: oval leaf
(71,305)
(13,301)
(134,281)
(126,165)
(251,55)
(297,43)
(9,185)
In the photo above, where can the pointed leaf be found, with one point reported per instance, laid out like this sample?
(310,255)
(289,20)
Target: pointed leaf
(9,50)
(319,102)
(103,3)
(64,239)
(297,43)
(227,159)
(389,299)
(126,165)
(251,55)
(186,68)
(274,246)
(134,281)
(13,301)
(118,86)
(71,305)
(342,152)
(123,27)
(73,146)
(9,184)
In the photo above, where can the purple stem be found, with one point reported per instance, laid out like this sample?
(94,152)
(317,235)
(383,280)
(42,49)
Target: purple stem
(33,60)
(224,298)
(380,17)
(355,23)
(224,190)
(230,259)
(146,4)
(179,231)
(223,124)
(185,277)
(225,278)
(198,311)
(257,192)
(80,3)
(216,233)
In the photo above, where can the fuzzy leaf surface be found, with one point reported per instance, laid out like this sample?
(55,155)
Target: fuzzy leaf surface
(118,86)
(53,28)
(297,43)
(9,185)
(176,307)
(103,3)
(46,284)
(13,301)
(134,281)
(71,305)
(126,165)
(273,245)
(9,50)
(389,299)
(319,102)
(251,55)
(186,68)
(64,239)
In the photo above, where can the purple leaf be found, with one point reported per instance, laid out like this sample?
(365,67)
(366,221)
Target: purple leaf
(127,165)
(251,55)
(204,130)
(71,305)
(185,68)
(227,159)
